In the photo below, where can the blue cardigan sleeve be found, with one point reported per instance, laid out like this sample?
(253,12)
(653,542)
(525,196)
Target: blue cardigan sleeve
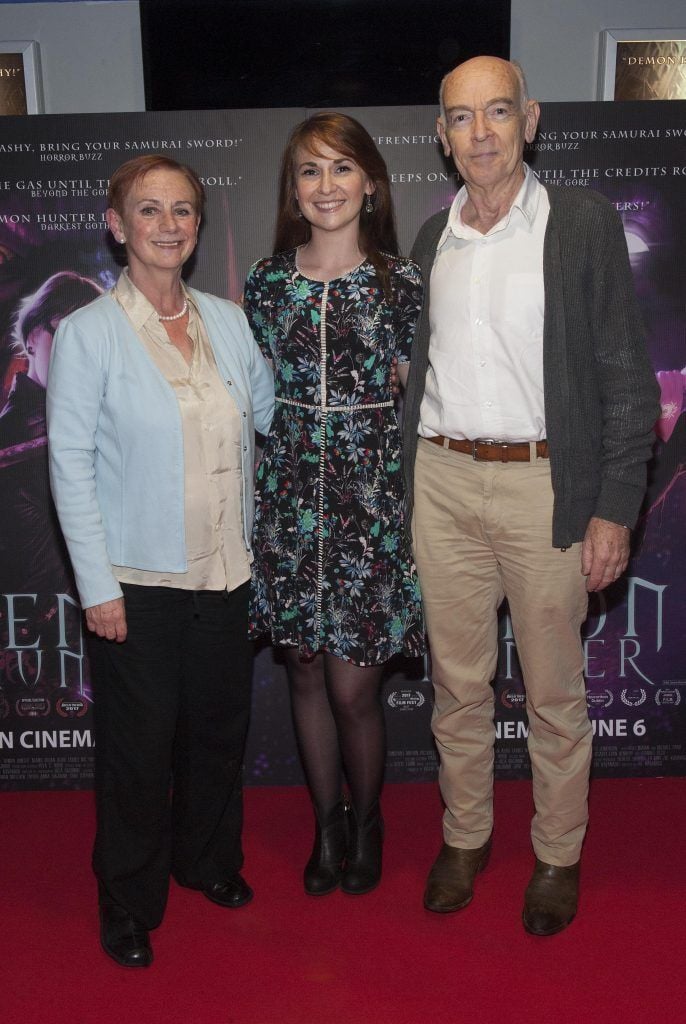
(76,386)
(261,380)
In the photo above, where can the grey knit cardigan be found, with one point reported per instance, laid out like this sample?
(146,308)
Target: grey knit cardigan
(600,391)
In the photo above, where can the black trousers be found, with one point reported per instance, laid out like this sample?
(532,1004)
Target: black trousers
(171,705)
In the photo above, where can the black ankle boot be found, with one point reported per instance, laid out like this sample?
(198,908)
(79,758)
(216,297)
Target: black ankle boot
(324,868)
(365,840)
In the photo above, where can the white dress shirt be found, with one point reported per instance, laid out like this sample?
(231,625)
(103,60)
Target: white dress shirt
(485,377)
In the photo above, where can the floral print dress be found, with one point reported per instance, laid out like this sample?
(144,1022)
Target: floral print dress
(333,569)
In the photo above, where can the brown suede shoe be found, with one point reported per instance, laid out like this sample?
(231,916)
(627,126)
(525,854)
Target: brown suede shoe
(551,898)
(450,885)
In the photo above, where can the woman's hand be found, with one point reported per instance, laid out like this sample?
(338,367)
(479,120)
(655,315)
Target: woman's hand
(399,374)
(108,619)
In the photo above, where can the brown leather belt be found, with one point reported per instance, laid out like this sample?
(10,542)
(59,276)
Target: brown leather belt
(485,449)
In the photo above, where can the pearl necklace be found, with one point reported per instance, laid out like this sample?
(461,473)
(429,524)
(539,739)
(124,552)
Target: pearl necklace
(176,316)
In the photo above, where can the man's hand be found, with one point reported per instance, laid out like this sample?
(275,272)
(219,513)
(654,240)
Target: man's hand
(108,619)
(604,553)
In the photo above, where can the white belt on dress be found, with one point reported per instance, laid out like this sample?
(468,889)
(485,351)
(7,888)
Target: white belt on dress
(359,407)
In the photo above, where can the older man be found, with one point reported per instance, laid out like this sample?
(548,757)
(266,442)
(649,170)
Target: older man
(528,423)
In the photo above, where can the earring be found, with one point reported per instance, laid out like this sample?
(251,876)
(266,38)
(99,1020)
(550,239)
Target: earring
(368,205)
(122,240)
(30,350)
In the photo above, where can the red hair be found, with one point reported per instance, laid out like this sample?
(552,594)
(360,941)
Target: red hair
(130,173)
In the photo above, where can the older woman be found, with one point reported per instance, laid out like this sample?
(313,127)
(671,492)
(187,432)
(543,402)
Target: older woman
(154,394)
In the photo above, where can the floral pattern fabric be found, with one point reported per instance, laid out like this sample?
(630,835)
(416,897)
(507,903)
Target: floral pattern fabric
(333,569)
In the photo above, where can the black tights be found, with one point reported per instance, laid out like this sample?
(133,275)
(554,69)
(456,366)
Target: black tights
(339,724)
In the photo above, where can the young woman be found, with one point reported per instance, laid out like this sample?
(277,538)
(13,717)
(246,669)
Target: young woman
(333,579)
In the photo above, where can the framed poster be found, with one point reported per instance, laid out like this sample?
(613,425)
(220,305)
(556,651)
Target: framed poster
(21,88)
(642,64)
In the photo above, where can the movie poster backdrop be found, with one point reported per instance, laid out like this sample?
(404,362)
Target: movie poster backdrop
(54,172)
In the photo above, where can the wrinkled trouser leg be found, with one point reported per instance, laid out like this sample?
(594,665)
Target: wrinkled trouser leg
(483,531)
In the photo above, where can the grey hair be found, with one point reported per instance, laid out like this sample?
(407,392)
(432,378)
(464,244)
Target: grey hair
(523,88)
(519,75)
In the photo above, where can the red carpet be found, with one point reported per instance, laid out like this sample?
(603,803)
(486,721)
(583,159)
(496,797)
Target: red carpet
(376,959)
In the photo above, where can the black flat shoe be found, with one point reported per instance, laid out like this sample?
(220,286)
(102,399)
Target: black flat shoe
(123,938)
(233,892)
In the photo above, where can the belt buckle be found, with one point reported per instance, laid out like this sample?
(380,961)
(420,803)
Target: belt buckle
(483,440)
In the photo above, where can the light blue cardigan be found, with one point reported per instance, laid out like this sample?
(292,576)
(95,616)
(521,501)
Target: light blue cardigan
(116,442)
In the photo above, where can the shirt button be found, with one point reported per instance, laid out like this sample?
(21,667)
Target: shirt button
(489,404)
(244,415)
(245,447)
(482,363)
(229,382)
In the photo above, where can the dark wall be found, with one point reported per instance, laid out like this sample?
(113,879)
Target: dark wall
(311,53)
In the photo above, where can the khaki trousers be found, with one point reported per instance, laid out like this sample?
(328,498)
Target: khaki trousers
(482,532)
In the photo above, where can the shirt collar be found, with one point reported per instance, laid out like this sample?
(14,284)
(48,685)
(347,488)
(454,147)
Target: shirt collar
(138,309)
(525,203)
